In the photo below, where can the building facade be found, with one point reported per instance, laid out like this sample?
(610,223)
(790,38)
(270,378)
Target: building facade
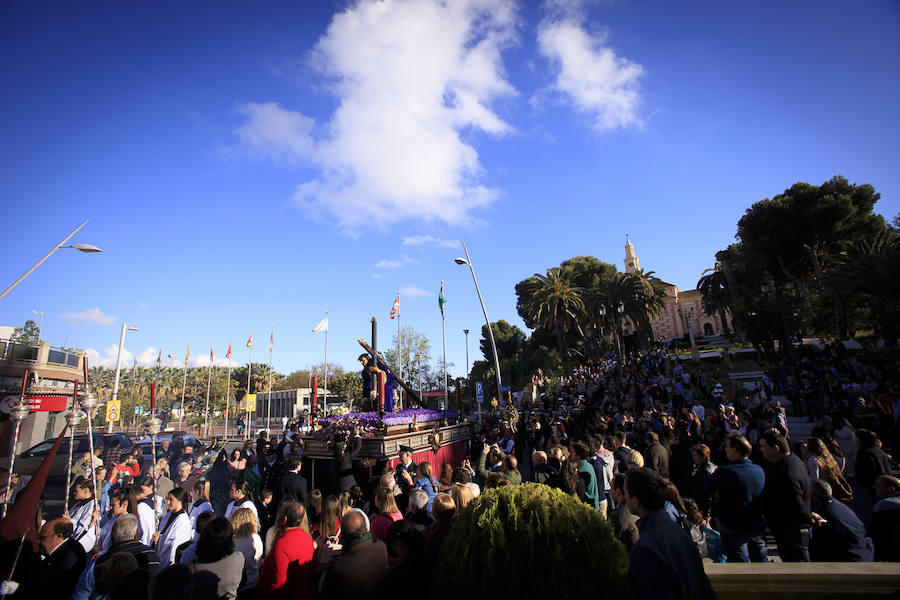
(683,311)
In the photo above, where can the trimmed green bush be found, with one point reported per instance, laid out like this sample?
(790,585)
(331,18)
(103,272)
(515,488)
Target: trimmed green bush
(531,541)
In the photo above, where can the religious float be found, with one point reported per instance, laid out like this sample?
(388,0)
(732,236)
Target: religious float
(436,436)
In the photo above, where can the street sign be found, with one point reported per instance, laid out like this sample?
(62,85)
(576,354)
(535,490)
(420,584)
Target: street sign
(479,392)
(113,408)
(138,410)
(433,394)
(251,403)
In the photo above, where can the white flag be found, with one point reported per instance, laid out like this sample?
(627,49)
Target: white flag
(322,326)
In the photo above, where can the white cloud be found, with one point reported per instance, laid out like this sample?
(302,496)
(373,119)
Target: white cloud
(410,76)
(393,265)
(142,304)
(418,240)
(91,315)
(596,80)
(414,291)
(147,358)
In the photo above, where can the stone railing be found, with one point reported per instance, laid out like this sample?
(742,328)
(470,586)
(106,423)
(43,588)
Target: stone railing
(803,581)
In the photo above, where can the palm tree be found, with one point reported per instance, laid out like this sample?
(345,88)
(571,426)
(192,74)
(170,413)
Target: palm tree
(869,267)
(715,298)
(555,304)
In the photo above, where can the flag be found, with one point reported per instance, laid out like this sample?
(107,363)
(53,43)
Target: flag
(159,358)
(186,356)
(322,326)
(441,299)
(212,356)
(228,354)
(271,340)
(250,341)
(395,310)
(24,515)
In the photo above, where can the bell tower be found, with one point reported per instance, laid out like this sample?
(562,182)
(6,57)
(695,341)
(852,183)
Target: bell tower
(631,260)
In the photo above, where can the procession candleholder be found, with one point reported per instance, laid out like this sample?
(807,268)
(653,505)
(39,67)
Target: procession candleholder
(18,413)
(153,425)
(73,418)
(88,404)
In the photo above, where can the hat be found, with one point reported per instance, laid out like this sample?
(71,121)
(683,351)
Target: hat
(404,448)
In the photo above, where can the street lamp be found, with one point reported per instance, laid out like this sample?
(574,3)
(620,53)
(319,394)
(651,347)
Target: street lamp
(466,332)
(115,394)
(468,262)
(88,248)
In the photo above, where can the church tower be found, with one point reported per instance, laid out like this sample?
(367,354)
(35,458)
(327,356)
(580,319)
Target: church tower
(632,264)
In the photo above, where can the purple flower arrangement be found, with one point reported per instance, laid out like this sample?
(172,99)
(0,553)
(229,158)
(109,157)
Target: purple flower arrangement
(339,427)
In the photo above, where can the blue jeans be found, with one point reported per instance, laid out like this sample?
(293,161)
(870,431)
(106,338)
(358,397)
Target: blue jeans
(744,547)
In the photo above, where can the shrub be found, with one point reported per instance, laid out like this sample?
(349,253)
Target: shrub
(531,541)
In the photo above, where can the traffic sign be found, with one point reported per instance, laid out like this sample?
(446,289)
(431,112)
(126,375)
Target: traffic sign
(251,403)
(479,392)
(113,408)
(138,410)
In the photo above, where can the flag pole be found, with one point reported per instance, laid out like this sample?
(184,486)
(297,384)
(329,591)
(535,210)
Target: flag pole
(227,388)
(249,369)
(269,395)
(399,355)
(183,387)
(325,398)
(444,336)
(208,382)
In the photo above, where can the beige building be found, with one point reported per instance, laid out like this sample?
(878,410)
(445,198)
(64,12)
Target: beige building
(683,311)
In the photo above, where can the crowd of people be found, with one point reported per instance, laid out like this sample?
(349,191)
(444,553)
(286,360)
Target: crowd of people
(684,470)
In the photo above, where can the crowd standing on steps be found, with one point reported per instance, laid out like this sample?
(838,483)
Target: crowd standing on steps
(684,468)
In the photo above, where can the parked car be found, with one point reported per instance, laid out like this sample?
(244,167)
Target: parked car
(189,440)
(27,462)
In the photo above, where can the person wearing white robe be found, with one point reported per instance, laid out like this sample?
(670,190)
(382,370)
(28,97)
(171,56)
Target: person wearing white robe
(174,528)
(200,503)
(240,498)
(82,515)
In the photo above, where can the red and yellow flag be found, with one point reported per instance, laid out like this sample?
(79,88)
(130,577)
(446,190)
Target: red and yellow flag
(395,309)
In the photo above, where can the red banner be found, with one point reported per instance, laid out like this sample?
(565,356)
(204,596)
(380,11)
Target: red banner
(48,403)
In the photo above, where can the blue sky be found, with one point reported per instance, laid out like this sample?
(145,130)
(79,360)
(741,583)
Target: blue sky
(245,165)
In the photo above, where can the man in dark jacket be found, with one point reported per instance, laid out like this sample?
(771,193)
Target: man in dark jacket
(57,575)
(786,498)
(738,486)
(657,456)
(362,565)
(541,472)
(837,535)
(624,523)
(871,460)
(292,484)
(621,452)
(664,562)
(886,519)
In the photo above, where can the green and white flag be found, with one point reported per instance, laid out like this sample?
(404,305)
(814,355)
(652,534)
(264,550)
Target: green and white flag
(441,299)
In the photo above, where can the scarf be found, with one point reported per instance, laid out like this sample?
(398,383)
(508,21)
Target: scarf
(365,539)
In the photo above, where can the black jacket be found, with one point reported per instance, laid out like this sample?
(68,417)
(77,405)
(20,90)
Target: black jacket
(56,576)
(291,485)
(786,494)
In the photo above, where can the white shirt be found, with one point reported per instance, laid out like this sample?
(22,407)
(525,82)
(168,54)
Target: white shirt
(147,519)
(247,503)
(82,530)
(196,510)
(179,532)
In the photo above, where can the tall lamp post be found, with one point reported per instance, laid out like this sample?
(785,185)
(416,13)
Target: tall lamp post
(466,332)
(468,262)
(81,247)
(115,394)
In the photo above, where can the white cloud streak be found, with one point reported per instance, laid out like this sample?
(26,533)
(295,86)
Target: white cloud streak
(393,265)
(91,315)
(410,76)
(414,291)
(419,240)
(147,358)
(589,73)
